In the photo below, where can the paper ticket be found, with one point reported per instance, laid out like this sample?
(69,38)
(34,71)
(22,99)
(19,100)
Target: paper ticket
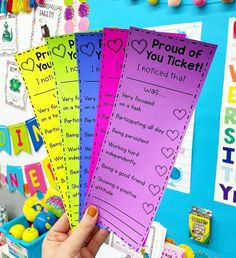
(63,56)
(36,69)
(160,84)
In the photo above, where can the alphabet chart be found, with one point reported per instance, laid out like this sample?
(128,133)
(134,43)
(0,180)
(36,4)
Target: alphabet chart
(161,81)
(88,56)
(63,56)
(36,69)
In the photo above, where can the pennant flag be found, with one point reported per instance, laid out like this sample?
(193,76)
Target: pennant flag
(35,178)
(5,141)
(34,132)
(20,138)
(48,171)
(3,178)
(15,179)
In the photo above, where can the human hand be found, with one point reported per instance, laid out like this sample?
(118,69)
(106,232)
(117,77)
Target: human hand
(84,242)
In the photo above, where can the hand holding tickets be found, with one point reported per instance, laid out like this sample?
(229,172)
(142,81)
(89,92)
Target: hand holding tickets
(136,93)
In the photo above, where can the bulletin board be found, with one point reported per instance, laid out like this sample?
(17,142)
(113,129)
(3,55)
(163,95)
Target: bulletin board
(176,206)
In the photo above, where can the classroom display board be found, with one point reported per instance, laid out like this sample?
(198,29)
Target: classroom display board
(120,100)
(225,179)
(175,208)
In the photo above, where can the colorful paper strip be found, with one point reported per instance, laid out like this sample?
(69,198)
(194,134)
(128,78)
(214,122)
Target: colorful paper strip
(88,47)
(63,56)
(161,81)
(36,69)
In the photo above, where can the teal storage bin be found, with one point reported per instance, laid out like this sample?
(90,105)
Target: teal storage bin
(20,248)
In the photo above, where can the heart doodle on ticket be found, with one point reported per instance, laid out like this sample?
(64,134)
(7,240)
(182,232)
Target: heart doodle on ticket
(148,207)
(167,152)
(87,49)
(139,45)
(173,135)
(59,51)
(179,113)
(28,65)
(115,45)
(154,189)
(161,170)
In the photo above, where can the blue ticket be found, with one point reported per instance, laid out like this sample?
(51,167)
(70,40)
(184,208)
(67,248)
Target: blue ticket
(88,47)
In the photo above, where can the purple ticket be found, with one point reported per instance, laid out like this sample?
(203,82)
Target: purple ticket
(160,84)
(113,53)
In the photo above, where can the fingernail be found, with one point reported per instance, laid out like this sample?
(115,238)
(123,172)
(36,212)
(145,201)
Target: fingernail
(92,211)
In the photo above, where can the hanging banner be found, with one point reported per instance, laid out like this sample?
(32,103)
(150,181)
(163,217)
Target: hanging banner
(15,179)
(5,141)
(3,178)
(34,132)
(20,139)
(35,178)
(225,187)
(48,171)
(17,136)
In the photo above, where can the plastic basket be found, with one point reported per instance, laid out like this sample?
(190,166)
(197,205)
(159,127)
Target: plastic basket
(20,248)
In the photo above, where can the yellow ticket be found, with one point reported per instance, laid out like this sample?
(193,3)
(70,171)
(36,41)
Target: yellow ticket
(36,69)
(63,55)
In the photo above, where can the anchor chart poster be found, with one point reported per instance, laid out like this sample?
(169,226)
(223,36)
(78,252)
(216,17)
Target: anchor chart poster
(225,185)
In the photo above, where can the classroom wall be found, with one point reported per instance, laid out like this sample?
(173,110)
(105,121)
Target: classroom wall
(176,206)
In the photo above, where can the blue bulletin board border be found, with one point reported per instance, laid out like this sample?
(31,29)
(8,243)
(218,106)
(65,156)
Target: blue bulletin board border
(176,206)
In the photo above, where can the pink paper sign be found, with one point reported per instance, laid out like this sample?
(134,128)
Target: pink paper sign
(113,52)
(160,84)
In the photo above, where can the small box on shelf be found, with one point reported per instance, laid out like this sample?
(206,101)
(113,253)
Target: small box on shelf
(19,248)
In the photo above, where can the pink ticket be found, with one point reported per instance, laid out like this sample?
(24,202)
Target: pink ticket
(113,53)
(160,83)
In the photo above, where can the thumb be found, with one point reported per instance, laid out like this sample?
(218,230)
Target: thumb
(79,237)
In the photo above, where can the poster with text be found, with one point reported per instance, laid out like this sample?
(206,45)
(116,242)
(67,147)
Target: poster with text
(8,34)
(225,184)
(46,23)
